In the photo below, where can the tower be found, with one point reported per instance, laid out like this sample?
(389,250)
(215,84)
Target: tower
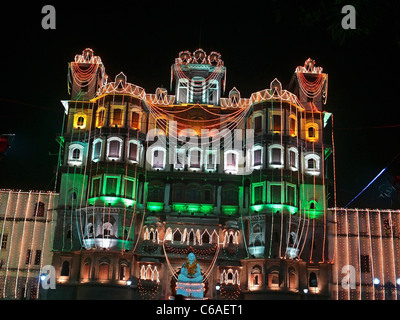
(198,78)
(100,174)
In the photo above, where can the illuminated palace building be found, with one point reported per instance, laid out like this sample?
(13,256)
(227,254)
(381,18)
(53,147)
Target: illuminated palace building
(148,178)
(145,179)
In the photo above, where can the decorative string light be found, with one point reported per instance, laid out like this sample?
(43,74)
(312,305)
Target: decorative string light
(361,232)
(148,290)
(312,89)
(230,292)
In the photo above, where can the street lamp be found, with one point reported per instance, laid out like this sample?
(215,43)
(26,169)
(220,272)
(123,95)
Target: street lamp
(217,290)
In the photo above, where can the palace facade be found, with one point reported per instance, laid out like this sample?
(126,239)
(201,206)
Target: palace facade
(148,178)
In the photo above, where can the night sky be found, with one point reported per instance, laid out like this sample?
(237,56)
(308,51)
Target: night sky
(257,44)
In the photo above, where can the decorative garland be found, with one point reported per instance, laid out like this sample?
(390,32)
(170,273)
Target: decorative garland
(230,292)
(148,289)
(187,250)
(191,267)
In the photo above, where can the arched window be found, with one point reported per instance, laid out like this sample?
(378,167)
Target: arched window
(149,272)
(135,120)
(312,131)
(312,164)
(177,236)
(231,164)
(312,205)
(256,276)
(312,280)
(205,237)
(96,152)
(180,160)
(183,91)
(257,157)
(117,116)
(191,238)
(258,123)
(133,151)
(104,271)
(231,237)
(292,125)
(107,229)
(153,235)
(123,270)
(275,122)
(293,157)
(80,121)
(114,149)
(75,155)
(230,277)
(213,92)
(275,153)
(86,270)
(292,278)
(65,269)
(210,160)
(273,279)
(158,158)
(195,158)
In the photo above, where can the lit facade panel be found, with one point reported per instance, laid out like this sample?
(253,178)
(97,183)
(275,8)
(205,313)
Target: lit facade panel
(27,225)
(367,247)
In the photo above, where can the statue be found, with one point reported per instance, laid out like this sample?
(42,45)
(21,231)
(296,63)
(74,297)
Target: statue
(190,280)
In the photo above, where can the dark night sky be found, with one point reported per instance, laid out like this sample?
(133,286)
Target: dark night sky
(257,44)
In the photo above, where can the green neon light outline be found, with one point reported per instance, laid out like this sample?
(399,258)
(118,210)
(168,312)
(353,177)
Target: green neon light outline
(113,201)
